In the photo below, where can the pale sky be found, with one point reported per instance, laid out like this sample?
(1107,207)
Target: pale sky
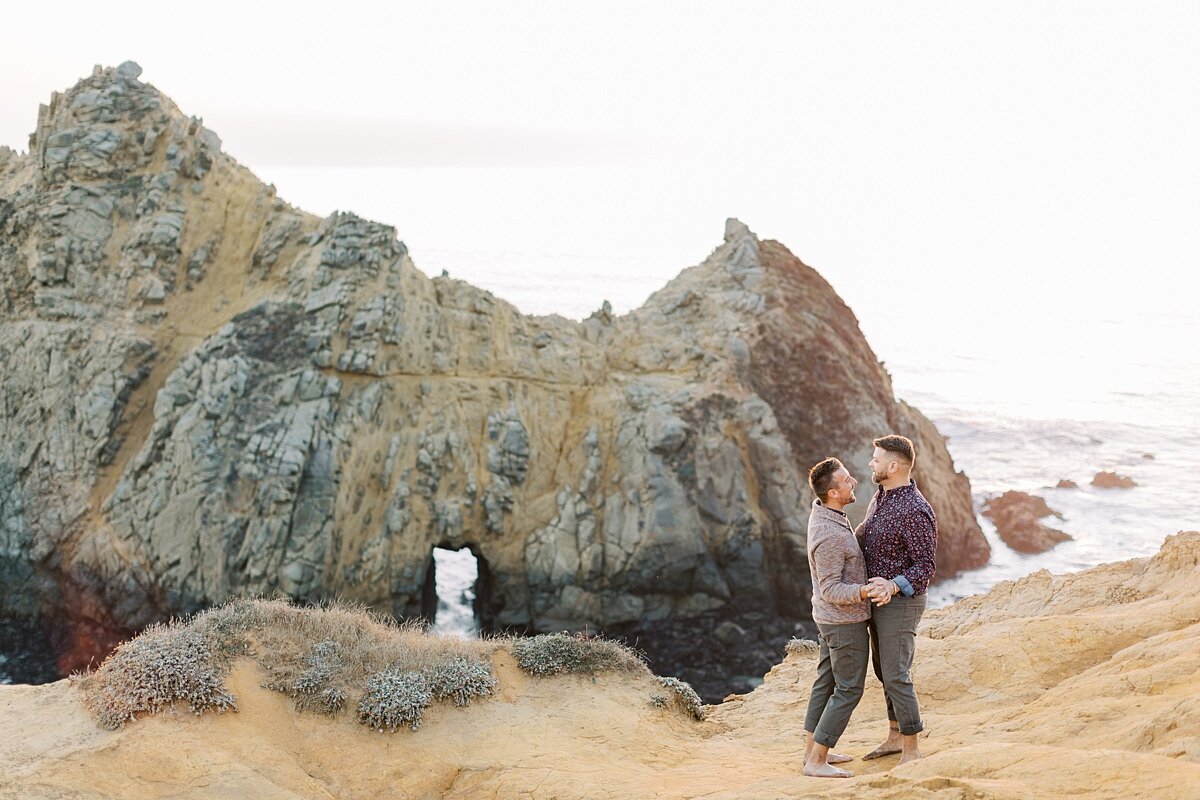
(1018,160)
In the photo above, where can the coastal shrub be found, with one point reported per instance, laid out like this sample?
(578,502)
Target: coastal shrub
(164,665)
(460,680)
(682,695)
(332,700)
(554,653)
(323,658)
(805,648)
(395,698)
(314,689)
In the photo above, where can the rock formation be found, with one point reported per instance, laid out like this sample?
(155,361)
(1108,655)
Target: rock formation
(1081,685)
(1066,483)
(211,393)
(1017,516)
(1107,479)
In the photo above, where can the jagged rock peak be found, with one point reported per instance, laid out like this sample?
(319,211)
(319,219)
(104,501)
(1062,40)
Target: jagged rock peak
(736,229)
(108,125)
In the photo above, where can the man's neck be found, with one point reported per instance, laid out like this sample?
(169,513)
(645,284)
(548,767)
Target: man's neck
(896,481)
(834,504)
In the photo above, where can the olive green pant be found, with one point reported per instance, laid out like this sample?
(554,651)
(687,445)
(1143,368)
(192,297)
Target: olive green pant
(893,644)
(841,673)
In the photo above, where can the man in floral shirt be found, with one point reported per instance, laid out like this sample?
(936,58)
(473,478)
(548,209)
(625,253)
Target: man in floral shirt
(899,540)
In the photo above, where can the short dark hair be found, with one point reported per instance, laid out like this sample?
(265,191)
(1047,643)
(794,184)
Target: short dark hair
(820,477)
(898,445)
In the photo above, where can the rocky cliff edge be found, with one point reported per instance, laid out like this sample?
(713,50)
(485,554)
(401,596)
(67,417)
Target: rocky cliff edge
(1049,686)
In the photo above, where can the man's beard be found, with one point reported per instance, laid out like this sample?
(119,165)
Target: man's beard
(877,477)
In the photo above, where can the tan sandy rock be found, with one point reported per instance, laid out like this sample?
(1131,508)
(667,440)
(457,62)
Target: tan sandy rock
(1081,685)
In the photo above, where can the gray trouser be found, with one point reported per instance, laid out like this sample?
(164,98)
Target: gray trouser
(893,644)
(841,672)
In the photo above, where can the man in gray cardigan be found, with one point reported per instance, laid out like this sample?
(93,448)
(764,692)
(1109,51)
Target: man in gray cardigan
(840,607)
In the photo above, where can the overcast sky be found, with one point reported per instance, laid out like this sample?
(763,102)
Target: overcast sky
(1028,154)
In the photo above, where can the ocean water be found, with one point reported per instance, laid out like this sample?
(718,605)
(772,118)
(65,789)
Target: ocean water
(455,572)
(1126,398)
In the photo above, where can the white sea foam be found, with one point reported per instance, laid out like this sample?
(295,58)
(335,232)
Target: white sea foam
(456,572)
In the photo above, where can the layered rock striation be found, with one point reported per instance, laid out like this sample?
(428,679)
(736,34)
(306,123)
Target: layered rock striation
(209,393)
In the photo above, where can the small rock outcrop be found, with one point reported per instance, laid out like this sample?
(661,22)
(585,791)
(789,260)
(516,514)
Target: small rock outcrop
(1107,479)
(210,393)
(1066,483)
(1017,516)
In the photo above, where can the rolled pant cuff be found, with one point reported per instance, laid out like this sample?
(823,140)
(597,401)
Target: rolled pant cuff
(912,730)
(822,738)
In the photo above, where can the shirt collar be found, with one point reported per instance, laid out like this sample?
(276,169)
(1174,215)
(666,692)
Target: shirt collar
(910,486)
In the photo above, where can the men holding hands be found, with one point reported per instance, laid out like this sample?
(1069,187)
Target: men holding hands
(896,545)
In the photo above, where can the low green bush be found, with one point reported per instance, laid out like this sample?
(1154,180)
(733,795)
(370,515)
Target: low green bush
(164,665)
(803,647)
(394,699)
(555,653)
(327,658)
(320,657)
(461,680)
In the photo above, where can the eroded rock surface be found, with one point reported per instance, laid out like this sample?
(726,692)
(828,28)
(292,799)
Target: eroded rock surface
(211,393)
(1018,521)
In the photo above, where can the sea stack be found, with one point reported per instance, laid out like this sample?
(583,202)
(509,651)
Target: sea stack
(1017,516)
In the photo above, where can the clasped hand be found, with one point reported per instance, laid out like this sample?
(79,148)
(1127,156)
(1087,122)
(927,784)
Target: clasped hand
(880,590)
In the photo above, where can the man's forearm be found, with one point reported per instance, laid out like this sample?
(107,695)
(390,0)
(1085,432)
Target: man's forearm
(841,593)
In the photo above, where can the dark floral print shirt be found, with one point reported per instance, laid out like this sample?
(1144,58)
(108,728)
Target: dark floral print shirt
(899,538)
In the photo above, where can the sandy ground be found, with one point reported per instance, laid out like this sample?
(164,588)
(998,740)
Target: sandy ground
(1085,685)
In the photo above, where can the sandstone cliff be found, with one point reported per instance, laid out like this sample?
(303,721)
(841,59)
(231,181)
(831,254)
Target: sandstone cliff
(211,393)
(1051,686)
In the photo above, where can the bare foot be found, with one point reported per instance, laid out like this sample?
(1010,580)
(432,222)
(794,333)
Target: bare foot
(912,755)
(891,746)
(825,771)
(838,758)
